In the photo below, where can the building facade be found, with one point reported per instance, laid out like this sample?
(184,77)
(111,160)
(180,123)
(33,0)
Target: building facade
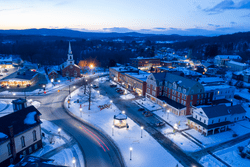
(145,63)
(236,66)
(20,135)
(215,119)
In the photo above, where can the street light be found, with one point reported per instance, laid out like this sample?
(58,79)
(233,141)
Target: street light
(111,101)
(59,81)
(98,93)
(14,94)
(52,80)
(112,130)
(168,113)
(141,130)
(74,87)
(74,161)
(123,112)
(131,149)
(59,130)
(81,111)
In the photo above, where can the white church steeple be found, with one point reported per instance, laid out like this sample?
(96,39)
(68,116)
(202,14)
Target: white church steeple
(70,56)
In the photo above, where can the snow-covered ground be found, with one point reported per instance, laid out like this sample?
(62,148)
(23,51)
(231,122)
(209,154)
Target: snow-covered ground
(146,151)
(65,156)
(229,155)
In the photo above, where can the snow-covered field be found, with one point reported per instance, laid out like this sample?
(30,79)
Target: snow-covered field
(65,156)
(146,151)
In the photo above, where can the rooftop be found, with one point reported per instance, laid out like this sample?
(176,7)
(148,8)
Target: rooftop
(20,120)
(237,63)
(210,87)
(14,76)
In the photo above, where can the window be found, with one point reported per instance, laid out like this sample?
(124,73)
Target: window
(208,95)
(34,135)
(181,101)
(178,100)
(191,97)
(205,95)
(35,146)
(9,149)
(159,93)
(200,118)
(182,96)
(190,103)
(202,96)
(196,116)
(179,94)
(200,90)
(23,141)
(204,121)
(198,96)
(219,120)
(30,150)
(212,121)
(218,92)
(24,153)
(185,97)
(184,90)
(197,102)
(179,88)
(225,118)
(169,96)
(184,103)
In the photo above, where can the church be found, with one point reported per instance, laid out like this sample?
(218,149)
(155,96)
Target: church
(69,68)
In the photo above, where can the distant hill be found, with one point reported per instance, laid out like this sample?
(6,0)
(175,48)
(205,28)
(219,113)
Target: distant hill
(99,35)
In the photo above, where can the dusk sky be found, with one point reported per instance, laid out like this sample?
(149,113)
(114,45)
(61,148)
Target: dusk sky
(185,17)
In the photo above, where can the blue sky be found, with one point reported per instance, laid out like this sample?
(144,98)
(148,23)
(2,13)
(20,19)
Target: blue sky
(185,17)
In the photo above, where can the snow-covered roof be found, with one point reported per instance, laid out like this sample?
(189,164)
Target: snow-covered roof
(216,87)
(120,116)
(141,76)
(229,56)
(125,68)
(210,80)
(237,63)
(5,58)
(30,118)
(2,135)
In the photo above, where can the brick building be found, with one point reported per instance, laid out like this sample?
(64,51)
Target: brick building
(145,63)
(69,68)
(176,93)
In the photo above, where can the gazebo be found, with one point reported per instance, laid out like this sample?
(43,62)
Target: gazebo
(120,120)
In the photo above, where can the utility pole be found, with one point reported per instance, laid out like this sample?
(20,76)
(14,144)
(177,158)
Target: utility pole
(89,96)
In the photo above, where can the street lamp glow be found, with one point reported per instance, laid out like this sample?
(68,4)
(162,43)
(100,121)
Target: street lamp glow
(80,109)
(74,87)
(43,86)
(52,80)
(98,91)
(130,148)
(73,161)
(142,127)
(111,101)
(91,66)
(123,112)
(14,94)
(59,129)
(59,81)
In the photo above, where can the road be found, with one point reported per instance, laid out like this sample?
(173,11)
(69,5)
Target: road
(132,112)
(97,149)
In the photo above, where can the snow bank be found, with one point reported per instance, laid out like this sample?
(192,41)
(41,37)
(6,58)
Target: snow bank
(30,118)
(2,135)
(128,96)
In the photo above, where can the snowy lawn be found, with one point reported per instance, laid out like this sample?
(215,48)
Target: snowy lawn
(240,128)
(127,96)
(210,161)
(7,110)
(65,156)
(125,138)
(227,154)
(3,104)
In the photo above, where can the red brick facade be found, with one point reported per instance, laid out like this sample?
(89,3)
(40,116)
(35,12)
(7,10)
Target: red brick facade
(53,75)
(71,71)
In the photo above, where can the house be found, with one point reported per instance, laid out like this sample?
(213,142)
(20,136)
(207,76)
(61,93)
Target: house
(220,60)
(176,93)
(166,64)
(69,68)
(236,66)
(20,133)
(215,119)
(53,74)
(6,61)
(242,75)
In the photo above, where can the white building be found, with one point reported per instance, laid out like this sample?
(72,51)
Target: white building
(236,66)
(215,119)
(220,91)
(220,60)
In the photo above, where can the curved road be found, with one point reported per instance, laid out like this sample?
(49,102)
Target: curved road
(97,149)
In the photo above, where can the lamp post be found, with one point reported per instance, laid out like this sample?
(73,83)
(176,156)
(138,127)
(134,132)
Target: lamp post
(59,81)
(74,162)
(111,101)
(123,112)
(131,149)
(112,130)
(81,111)
(59,132)
(168,113)
(141,131)
(69,92)
(68,103)
(98,93)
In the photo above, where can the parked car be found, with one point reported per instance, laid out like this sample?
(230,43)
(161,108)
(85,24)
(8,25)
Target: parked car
(117,89)
(28,85)
(94,86)
(141,109)
(3,86)
(18,85)
(147,113)
(121,92)
(158,124)
(113,85)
